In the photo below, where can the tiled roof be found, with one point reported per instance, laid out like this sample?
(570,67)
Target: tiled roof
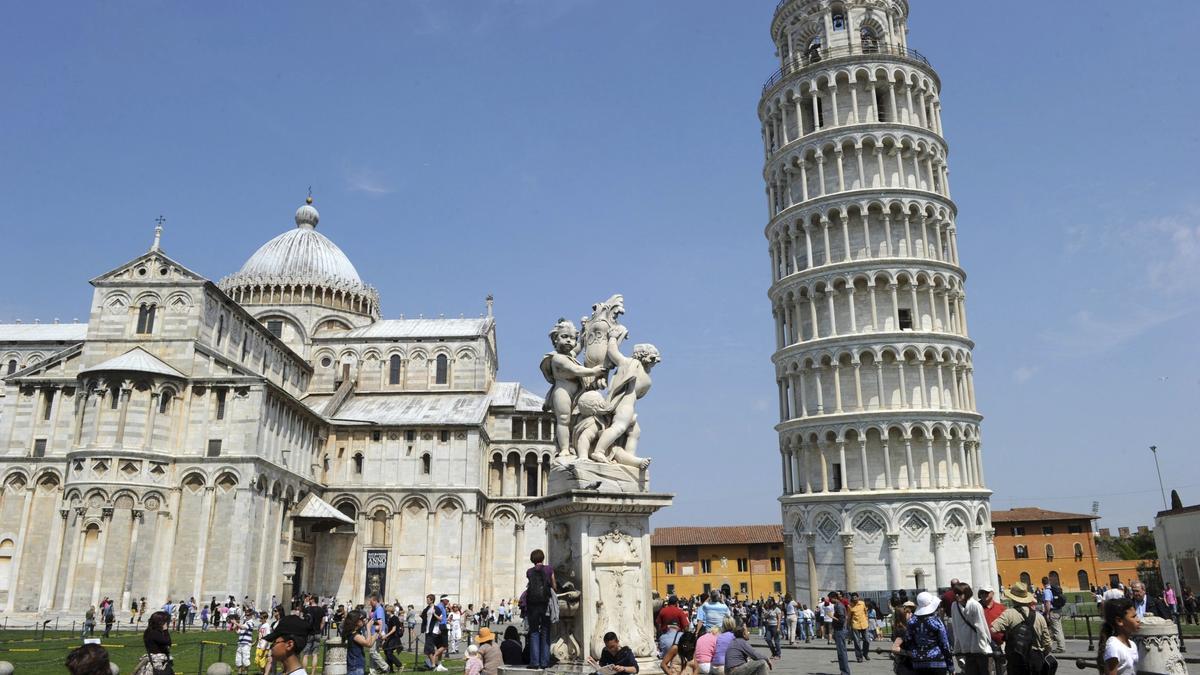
(1033,513)
(136,360)
(42,332)
(410,409)
(732,534)
(512,394)
(418,328)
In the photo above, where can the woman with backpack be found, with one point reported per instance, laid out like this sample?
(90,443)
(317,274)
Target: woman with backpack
(681,657)
(1026,634)
(926,641)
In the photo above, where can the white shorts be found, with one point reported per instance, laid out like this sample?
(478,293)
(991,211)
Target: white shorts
(244,654)
(706,668)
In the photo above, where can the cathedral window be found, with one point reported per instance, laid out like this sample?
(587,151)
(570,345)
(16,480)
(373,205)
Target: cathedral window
(444,436)
(114,398)
(839,21)
(214,447)
(906,322)
(220,329)
(358,463)
(275,327)
(835,477)
(220,404)
(547,430)
(426,464)
(145,321)
(7,549)
(376,436)
(164,403)
(881,110)
(39,447)
(394,369)
(12,366)
(410,435)
(518,428)
(442,370)
(47,403)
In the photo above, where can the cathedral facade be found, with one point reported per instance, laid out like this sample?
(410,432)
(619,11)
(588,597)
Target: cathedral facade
(265,435)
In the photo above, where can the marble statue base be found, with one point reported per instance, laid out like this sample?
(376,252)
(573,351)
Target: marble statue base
(599,544)
(585,474)
(1158,647)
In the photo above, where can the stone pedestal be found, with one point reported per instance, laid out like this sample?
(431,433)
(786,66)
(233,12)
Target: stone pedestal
(1158,647)
(335,655)
(599,545)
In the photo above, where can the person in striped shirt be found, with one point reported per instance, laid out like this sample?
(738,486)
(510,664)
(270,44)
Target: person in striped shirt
(247,636)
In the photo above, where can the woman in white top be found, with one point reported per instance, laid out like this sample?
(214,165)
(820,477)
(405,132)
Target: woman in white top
(1118,654)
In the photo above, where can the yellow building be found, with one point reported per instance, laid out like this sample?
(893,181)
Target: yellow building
(743,561)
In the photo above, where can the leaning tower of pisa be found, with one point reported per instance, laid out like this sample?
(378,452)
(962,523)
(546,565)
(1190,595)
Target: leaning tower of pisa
(883,482)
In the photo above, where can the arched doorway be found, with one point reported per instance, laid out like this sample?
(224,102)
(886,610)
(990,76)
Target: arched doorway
(1054,579)
(1025,578)
(1084,582)
(725,590)
(919,579)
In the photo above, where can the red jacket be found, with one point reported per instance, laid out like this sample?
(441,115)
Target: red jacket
(669,612)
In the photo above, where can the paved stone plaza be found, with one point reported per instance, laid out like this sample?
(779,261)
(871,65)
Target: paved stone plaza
(821,659)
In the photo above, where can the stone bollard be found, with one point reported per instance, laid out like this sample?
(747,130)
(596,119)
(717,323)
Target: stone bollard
(6,668)
(116,670)
(219,668)
(1158,647)
(335,656)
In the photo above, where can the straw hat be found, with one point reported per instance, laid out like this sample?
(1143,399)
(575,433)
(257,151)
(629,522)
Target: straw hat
(927,603)
(1019,593)
(485,635)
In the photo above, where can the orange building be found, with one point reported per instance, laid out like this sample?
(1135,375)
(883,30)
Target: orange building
(743,561)
(1032,543)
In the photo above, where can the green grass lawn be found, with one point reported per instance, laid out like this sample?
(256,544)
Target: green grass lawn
(30,654)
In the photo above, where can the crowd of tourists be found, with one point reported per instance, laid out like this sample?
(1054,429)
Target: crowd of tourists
(972,631)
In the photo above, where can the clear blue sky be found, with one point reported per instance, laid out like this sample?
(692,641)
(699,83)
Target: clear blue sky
(553,152)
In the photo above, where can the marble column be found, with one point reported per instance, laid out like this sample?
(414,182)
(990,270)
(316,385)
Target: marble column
(939,560)
(895,575)
(134,528)
(978,577)
(520,558)
(105,526)
(76,558)
(204,534)
(814,590)
(22,531)
(848,562)
(53,561)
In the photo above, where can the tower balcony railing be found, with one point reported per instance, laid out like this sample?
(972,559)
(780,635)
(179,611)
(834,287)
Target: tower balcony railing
(814,55)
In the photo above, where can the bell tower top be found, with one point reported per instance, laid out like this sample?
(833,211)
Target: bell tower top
(802,28)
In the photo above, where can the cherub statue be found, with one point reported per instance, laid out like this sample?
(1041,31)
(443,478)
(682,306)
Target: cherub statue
(566,378)
(630,382)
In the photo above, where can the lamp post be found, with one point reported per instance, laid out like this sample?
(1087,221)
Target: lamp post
(1165,556)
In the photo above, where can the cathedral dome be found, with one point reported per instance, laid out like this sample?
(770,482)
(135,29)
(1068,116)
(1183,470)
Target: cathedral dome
(305,266)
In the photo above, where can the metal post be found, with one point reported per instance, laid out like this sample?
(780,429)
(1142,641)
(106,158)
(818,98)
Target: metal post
(1091,644)
(1167,545)
(200,668)
(221,652)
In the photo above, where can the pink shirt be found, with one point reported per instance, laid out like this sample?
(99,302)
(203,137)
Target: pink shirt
(1169,596)
(474,665)
(706,647)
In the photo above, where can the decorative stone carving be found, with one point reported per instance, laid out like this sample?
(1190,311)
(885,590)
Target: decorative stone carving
(1158,647)
(591,423)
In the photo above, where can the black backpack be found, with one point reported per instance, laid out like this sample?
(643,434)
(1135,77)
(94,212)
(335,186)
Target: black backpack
(1018,646)
(538,593)
(1059,601)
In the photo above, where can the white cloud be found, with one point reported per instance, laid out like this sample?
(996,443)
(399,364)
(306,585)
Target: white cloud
(1084,334)
(364,180)
(1024,374)
(1173,251)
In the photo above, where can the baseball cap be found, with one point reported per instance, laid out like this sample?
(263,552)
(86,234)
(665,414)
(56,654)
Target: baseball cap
(988,588)
(295,628)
